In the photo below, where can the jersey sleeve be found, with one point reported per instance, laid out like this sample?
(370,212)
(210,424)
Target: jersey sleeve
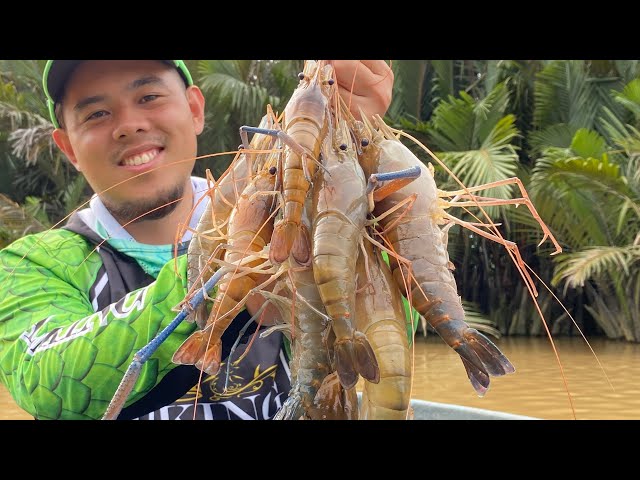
(58,357)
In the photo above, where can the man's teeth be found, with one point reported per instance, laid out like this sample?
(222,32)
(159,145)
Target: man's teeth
(139,159)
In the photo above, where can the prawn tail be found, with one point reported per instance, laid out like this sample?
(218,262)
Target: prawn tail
(353,357)
(479,379)
(301,249)
(289,237)
(495,361)
(281,242)
(481,359)
(194,351)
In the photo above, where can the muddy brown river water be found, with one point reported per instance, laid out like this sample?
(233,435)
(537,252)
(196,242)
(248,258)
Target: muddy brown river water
(536,389)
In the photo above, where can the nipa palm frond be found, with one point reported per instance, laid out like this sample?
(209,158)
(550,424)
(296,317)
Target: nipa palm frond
(451,126)
(587,143)
(563,190)
(630,98)
(563,94)
(15,222)
(557,135)
(495,160)
(576,268)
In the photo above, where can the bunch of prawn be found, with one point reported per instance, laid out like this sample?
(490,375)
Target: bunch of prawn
(305,228)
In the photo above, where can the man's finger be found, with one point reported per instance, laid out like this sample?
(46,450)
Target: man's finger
(354,75)
(377,67)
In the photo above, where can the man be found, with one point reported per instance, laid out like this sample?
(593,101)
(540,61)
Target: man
(77,307)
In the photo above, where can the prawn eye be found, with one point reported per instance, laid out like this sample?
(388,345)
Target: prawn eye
(364,142)
(301,75)
(330,81)
(343,146)
(273,170)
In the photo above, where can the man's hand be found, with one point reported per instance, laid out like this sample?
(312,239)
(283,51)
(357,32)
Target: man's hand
(364,84)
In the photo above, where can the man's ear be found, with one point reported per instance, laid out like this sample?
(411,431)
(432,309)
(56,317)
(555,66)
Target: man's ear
(196,104)
(61,138)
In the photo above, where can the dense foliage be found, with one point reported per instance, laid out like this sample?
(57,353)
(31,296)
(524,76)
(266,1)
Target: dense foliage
(569,129)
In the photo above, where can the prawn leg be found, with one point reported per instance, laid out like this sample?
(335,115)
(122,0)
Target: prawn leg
(133,372)
(509,245)
(516,201)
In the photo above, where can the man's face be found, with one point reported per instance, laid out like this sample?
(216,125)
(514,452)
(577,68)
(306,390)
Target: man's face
(124,118)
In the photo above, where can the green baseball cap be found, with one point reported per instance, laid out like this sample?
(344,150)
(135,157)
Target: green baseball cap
(57,72)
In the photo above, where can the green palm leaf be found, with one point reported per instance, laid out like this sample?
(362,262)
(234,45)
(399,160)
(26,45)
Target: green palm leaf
(32,143)
(557,135)
(16,109)
(567,93)
(628,69)
(462,124)
(490,110)
(564,95)
(15,222)
(587,143)
(26,76)
(75,194)
(630,97)
(621,134)
(444,79)
(576,268)
(495,160)
(452,125)
(476,141)
(229,85)
(408,88)
(587,189)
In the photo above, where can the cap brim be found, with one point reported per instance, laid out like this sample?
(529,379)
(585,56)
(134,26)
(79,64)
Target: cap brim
(57,77)
(60,71)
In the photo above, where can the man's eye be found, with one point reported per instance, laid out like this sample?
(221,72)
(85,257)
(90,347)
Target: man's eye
(148,98)
(96,115)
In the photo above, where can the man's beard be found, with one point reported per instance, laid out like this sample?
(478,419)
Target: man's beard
(139,211)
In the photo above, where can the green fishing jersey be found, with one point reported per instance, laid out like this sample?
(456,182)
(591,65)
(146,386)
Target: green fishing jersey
(59,357)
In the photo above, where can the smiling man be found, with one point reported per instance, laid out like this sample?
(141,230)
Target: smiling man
(122,119)
(74,315)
